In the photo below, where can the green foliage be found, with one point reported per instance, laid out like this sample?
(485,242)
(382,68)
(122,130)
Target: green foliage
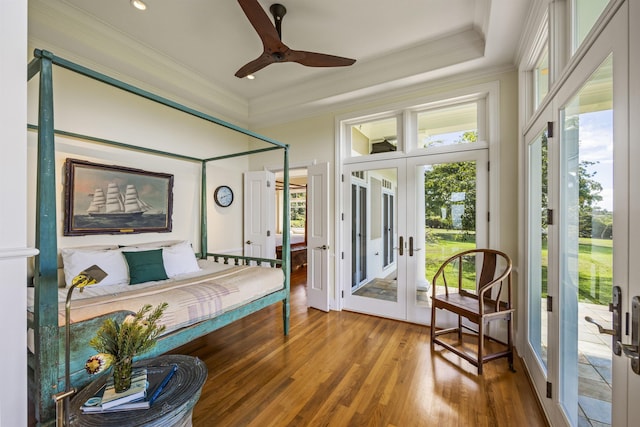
(441,183)
(135,335)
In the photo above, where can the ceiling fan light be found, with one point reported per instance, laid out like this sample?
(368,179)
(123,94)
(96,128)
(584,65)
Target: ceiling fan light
(139,4)
(251,76)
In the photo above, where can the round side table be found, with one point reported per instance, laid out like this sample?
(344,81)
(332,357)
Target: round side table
(173,407)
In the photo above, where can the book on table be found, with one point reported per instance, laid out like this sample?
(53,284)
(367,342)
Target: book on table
(157,378)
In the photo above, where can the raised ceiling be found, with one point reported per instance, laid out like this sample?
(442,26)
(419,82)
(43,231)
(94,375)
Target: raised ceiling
(189,50)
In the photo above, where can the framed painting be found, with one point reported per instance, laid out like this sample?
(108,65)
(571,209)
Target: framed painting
(107,199)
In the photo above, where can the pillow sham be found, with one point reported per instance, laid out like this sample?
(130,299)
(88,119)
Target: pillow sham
(179,259)
(111,261)
(145,266)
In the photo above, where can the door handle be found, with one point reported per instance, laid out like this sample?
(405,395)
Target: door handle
(616,310)
(411,246)
(248,242)
(323,247)
(631,350)
(401,246)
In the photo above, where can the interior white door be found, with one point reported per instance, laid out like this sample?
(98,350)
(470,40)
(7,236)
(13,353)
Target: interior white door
(318,236)
(259,214)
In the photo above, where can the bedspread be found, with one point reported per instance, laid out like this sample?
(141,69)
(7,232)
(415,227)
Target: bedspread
(191,299)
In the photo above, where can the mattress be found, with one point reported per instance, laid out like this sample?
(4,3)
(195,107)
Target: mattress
(192,297)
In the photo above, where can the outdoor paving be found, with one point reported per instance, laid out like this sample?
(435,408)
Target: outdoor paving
(594,368)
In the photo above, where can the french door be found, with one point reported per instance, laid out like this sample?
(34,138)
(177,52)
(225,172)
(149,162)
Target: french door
(405,217)
(577,239)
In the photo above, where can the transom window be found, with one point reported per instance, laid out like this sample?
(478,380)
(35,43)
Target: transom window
(456,124)
(585,15)
(374,136)
(541,76)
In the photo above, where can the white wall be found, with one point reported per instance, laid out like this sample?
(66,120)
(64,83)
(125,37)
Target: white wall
(87,107)
(313,139)
(13,45)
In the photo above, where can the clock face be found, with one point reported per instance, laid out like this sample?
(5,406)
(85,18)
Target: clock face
(223,196)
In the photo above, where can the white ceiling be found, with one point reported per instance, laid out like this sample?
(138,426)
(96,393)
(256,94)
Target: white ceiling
(189,50)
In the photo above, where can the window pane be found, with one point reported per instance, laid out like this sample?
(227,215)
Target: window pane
(450,215)
(541,77)
(586,245)
(448,126)
(538,254)
(376,136)
(585,15)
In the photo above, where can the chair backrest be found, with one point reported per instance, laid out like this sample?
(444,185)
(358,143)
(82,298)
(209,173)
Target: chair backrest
(496,266)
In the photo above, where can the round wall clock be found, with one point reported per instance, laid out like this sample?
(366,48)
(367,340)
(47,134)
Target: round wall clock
(223,196)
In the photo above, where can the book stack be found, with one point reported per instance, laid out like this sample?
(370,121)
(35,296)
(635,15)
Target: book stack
(147,384)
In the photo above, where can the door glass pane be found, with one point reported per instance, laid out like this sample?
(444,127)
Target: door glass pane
(449,213)
(456,124)
(374,136)
(373,232)
(537,242)
(586,244)
(585,15)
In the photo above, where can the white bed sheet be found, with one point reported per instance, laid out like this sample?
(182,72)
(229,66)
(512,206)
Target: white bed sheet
(293,239)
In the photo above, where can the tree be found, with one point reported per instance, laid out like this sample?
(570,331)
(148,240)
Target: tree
(444,185)
(589,191)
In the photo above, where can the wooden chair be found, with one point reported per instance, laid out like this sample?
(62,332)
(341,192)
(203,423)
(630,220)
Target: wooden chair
(490,300)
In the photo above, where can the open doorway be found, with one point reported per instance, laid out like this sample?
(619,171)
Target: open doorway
(298,209)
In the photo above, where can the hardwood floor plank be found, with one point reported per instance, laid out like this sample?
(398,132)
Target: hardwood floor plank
(348,369)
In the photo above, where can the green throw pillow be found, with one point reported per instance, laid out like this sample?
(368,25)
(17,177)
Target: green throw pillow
(145,266)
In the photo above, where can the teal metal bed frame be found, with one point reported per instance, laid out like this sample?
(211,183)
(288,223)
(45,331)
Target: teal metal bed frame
(46,363)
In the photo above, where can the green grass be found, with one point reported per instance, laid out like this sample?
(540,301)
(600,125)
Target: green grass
(442,244)
(595,258)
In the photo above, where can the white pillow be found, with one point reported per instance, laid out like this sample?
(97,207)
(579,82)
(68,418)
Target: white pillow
(179,259)
(111,261)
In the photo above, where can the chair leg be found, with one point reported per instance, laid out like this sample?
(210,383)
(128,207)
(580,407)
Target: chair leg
(459,329)
(480,346)
(510,341)
(433,327)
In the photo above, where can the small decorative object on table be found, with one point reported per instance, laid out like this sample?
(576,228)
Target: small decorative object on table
(117,344)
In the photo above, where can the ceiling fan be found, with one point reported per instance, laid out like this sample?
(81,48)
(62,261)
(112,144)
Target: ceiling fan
(274,49)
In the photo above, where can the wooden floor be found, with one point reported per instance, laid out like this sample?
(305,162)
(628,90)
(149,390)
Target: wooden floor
(347,369)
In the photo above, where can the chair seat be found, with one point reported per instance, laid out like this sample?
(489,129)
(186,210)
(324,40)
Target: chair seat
(468,305)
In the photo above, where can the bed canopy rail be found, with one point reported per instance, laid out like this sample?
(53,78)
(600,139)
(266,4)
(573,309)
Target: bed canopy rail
(45,378)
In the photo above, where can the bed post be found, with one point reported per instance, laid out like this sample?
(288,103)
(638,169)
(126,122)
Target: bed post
(286,247)
(46,266)
(203,212)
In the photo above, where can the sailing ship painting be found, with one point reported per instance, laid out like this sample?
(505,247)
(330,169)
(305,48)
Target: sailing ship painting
(117,205)
(102,199)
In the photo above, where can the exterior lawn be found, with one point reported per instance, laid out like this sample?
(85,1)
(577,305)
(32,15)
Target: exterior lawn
(595,256)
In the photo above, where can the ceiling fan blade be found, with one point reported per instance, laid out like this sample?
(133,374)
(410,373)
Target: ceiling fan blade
(261,23)
(313,59)
(257,64)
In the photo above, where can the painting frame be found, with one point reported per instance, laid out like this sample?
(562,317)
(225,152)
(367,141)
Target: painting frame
(111,199)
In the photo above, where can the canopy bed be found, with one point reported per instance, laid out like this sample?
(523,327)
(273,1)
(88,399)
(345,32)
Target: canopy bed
(46,359)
